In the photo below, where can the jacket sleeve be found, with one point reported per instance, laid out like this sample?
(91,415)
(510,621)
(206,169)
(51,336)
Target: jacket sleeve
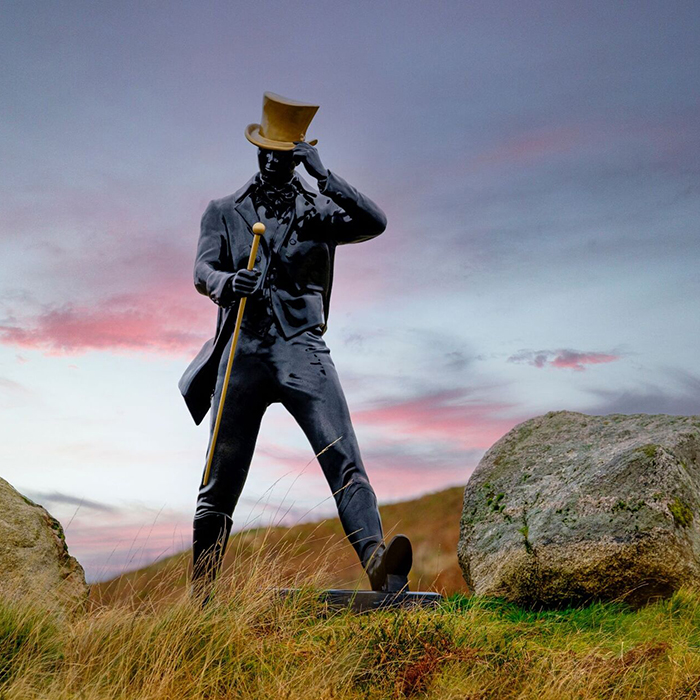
(352,217)
(212,268)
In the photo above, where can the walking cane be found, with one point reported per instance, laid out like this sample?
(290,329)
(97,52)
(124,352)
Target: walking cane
(258,230)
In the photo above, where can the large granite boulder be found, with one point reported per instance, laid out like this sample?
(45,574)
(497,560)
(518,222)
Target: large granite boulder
(34,559)
(567,508)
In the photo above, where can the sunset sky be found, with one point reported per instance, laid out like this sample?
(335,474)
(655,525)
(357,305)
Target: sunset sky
(539,165)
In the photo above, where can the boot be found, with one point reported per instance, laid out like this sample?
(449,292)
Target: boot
(359,516)
(388,566)
(210,534)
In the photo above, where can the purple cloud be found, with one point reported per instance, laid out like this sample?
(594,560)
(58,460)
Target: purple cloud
(563,359)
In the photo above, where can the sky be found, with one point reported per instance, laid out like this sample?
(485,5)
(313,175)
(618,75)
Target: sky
(539,167)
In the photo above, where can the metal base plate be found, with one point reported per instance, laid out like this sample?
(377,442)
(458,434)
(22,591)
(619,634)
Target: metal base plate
(364,601)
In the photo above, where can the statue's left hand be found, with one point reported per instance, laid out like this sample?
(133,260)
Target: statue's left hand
(308,155)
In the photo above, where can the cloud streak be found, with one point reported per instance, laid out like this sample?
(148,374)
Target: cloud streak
(110,548)
(131,323)
(563,358)
(49,499)
(679,394)
(11,386)
(451,417)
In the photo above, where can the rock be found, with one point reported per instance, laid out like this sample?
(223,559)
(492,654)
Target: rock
(568,508)
(34,558)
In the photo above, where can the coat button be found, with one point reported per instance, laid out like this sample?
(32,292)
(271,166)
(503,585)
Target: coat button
(292,242)
(257,259)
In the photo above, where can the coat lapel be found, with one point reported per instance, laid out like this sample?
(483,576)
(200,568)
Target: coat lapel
(247,211)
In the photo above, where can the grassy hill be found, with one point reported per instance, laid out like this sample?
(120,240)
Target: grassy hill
(431,522)
(142,638)
(251,644)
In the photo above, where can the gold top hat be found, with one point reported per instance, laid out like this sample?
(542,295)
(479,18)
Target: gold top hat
(283,122)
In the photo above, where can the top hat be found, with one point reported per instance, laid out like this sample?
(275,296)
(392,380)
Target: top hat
(283,122)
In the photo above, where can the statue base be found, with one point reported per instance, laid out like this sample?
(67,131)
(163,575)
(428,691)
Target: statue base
(365,601)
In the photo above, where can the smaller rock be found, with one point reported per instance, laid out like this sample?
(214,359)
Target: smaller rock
(34,558)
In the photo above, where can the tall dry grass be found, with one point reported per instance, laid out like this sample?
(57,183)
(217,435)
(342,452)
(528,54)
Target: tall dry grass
(431,522)
(252,643)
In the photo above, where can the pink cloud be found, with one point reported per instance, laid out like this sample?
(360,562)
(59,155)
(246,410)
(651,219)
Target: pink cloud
(408,446)
(125,289)
(159,312)
(109,549)
(531,145)
(527,146)
(120,323)
(399,474)
(447,416)
(577,360)
(120,279)
(563,359)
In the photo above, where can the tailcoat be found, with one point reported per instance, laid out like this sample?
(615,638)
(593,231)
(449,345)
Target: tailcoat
(296,268)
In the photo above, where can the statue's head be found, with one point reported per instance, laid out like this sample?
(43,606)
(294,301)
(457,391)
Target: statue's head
(283,122)
(276,166)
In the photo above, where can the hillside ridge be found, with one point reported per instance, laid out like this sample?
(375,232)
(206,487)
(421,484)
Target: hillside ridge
(430,521)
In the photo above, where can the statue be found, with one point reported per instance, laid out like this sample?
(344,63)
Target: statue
(280,354)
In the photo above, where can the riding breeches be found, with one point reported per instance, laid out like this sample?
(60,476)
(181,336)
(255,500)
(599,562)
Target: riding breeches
(300,374)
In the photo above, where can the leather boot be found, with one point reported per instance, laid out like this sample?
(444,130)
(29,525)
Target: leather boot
(374,568)
(359,516)
(387,566)
(210,534)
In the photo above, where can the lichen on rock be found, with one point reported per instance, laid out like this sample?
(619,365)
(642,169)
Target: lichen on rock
(567,508)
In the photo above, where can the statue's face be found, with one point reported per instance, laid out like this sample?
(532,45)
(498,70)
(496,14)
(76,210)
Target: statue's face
(276,166)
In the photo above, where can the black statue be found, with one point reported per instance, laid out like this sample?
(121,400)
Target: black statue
(280,354)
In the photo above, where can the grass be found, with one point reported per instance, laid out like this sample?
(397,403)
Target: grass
(251,643)
(431,522)
(141,638)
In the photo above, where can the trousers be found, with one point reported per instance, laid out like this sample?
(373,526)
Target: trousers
(299,373)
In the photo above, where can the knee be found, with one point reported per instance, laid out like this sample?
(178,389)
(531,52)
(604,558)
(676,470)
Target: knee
(356,484)
(200,516)
(204,510)
(212,503)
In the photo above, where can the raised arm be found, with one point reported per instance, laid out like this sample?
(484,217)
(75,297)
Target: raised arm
(355,218)
(351,217)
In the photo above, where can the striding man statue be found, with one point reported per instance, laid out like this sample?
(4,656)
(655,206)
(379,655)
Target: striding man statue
(281,355)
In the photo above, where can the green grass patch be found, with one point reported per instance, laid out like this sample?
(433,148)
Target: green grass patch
(252,643)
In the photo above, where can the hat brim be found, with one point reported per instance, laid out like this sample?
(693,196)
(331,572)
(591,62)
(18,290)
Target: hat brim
(252,133)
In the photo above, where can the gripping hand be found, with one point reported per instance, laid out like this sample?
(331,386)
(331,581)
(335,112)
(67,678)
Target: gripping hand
(245,282)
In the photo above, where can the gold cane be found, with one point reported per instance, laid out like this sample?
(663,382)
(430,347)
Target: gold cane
(258,230)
